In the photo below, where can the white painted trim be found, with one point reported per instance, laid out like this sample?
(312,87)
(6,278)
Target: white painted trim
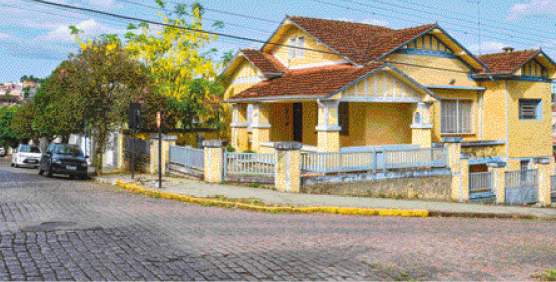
(328,128)
(380,99)
(261,125)
(308,148)
(280,59)
(267,144)
(247,80)
(323,64)
(421,125)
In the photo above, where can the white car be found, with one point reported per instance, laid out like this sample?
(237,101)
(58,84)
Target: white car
(26,155)
(2,152)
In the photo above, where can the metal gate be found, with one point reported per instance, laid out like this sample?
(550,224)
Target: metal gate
(522,187)
(481,188)
(553,188)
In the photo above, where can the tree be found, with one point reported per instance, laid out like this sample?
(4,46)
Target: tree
(26,91)
(22,122)
(175,60)
(99,83)
(7,135)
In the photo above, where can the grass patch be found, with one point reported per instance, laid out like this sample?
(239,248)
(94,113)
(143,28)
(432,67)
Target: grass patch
(548,275)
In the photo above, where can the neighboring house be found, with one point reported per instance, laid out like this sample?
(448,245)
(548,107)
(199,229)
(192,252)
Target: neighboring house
(376,86)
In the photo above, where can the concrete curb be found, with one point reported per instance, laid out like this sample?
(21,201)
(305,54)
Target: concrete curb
(331,210)
(483,215)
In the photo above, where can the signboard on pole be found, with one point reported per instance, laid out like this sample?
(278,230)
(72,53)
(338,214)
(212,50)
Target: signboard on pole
(134,115)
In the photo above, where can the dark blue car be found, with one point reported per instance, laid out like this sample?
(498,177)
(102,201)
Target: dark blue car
(64,159)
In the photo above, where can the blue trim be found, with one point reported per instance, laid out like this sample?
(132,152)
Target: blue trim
(475,161)
(425,52)
(533,78)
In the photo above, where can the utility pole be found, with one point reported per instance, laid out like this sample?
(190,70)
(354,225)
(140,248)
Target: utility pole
(159,150)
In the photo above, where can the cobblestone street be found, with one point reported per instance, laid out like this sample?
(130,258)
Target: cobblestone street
(62,229)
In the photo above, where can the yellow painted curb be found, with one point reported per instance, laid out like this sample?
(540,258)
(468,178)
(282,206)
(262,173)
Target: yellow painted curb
(331,210)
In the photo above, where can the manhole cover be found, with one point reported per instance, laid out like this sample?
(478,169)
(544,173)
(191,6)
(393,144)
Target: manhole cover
(54,224)
(48,226)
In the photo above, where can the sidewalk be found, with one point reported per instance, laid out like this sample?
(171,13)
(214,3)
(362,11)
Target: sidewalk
(197,188)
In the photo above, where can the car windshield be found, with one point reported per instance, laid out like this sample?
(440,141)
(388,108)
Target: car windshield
(30,149)
(73,151)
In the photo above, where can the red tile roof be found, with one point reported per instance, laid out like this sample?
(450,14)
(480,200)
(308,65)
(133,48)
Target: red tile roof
(361,43)
(507,62)
(319,81)
(267,63)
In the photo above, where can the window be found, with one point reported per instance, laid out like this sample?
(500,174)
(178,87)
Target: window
(456,116)
(343,117)
(298,42)
(292,50)
(529,109)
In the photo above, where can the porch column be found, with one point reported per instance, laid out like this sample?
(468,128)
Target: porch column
(239,127)
(544,167)
(261,127)
(421,129)
(328,128)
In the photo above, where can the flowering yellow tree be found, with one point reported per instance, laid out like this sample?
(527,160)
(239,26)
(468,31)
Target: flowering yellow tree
(179,62)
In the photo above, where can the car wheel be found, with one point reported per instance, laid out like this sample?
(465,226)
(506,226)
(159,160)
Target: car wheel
(49,173)
(41,172)
(16,166)
(12,164)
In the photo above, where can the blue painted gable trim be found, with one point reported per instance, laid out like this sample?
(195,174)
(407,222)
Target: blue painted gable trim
(424,52)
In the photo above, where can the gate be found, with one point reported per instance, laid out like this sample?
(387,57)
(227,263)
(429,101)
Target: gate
(522,187)
(481,188)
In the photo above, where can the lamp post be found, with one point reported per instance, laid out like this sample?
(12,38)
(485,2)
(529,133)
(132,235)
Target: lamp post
(159,150)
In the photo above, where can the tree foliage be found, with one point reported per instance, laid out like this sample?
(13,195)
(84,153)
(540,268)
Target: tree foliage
(179,63)
(7,135)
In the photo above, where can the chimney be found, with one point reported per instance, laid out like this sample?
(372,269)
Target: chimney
(508,49)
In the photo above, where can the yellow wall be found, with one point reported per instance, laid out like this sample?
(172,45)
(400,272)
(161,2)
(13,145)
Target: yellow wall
(494,113)
(309,57)
(529,138)
(429,76)
(244,70)
(378,124)
(454,94)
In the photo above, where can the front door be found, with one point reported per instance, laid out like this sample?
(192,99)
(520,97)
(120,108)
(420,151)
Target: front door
(298,122)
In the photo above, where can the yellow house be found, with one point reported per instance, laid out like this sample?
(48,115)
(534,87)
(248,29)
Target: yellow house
(343,86)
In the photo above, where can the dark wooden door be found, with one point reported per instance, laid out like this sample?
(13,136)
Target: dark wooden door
(298,122)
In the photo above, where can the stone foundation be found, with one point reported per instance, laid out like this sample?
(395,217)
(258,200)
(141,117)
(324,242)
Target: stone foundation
(433,187)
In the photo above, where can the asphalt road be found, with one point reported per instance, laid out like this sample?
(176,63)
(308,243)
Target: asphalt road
(63,229)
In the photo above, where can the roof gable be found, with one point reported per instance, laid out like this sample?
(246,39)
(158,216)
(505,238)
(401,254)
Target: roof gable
(511,62)
(267,64)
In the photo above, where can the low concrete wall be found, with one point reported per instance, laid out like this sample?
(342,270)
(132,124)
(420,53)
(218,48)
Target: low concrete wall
(433,184)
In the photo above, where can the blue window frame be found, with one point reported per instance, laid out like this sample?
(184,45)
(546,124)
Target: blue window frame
(530,109)
(534,69)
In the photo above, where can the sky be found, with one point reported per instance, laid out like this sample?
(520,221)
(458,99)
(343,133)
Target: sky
(35,38)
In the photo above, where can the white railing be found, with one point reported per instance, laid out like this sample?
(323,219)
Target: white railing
(480,182)
(335,162)
(249,164)
(338,162)
(415,158)
(188,157)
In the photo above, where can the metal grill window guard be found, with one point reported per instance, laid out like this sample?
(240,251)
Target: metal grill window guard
(481,182)
(188,157)
(521,178)
(553,183)
(249,164)
(335,162)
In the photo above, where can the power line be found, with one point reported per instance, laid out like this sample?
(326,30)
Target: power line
(205,18)
(376,13)
(443,16)
(231,36)
(234,14)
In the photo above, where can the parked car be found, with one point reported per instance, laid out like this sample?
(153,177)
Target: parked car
(2,152)
(27,156)
(62,158)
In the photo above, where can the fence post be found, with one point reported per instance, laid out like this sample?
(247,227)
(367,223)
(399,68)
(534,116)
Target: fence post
(288,166)
(166,141)
(214,160)
(454,162)
(498,170)
(543,166)
(464,161)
